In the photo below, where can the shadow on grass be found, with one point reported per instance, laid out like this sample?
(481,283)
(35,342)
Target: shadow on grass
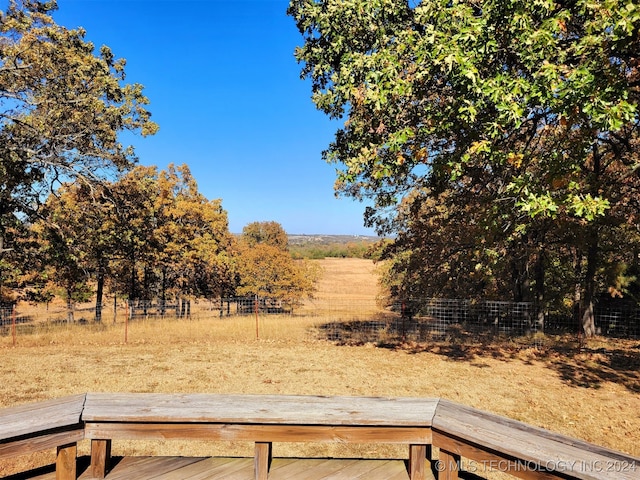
(592,367)
(584,364)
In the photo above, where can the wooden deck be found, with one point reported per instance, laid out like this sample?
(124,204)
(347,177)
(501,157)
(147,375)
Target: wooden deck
(205,468)
(458,432)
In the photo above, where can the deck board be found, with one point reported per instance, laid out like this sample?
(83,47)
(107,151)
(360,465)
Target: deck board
(287,468)
(134,468)
(209,468)
(206,468)
(310,470)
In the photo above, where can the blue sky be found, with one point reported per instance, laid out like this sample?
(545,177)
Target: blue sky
(225,89)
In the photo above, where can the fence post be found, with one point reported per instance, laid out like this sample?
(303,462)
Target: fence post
(126,322)
(13,324)
(255,308)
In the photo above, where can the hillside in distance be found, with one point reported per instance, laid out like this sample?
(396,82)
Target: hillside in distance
(323,246)
(324,239)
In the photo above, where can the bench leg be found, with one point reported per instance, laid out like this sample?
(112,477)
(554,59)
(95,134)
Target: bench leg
(66,462)
(100,456)
(262,459)
(418,462)
(448,465)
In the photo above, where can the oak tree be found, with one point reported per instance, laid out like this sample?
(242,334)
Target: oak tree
(267,269)
(270,233)
(63,103)
(195,248)
(531,106)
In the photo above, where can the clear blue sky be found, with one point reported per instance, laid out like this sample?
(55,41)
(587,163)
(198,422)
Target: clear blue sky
(225,89)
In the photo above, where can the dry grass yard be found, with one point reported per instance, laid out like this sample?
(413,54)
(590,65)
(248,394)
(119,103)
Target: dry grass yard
(593,393)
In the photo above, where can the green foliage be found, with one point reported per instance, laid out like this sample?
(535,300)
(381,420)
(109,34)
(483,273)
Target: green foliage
(62,106)
(520,117)
(458,85)
(311,250)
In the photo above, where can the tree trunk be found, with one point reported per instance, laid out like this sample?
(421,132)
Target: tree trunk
(588,318)
(183,307)
(99,294)
(2,252)
(179,307)
(70,318)
(517,283)
(145,292)
(588,322)
(577,288)
(539,291)
(133,287)
(163,293)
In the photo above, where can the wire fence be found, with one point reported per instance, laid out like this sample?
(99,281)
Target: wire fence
(617,318)
(351,320)
(440,320)
(422,319)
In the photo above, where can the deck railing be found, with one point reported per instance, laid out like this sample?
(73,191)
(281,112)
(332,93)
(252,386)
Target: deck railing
(486,440)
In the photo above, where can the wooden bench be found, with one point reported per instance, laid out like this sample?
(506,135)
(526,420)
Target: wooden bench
(519,449)
(39,426)
(485,440)
(262,419)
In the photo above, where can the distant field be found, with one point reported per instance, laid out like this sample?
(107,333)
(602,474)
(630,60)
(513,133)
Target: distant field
(591,394)
(335,246)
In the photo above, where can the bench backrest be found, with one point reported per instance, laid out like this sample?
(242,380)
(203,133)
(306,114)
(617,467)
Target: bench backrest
(41,425)
(457,429)
(537,449)
(259,409)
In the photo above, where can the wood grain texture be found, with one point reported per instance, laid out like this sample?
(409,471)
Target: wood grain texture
(258,433)
(447,465)
(66,462)
(261,409)
(180,468)
(262,460)
(474,433)
(100,457)
(460,431)
(451,450)
(37,442)
(418,462)
(36,417)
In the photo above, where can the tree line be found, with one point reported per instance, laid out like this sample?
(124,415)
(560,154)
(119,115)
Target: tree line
(352,249)
(497,142)
(148,237)
(79,217)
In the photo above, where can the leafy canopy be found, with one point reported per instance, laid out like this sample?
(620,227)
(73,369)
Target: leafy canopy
(438,89)
(62,105)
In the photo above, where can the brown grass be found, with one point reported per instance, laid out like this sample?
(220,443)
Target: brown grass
(590,393)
